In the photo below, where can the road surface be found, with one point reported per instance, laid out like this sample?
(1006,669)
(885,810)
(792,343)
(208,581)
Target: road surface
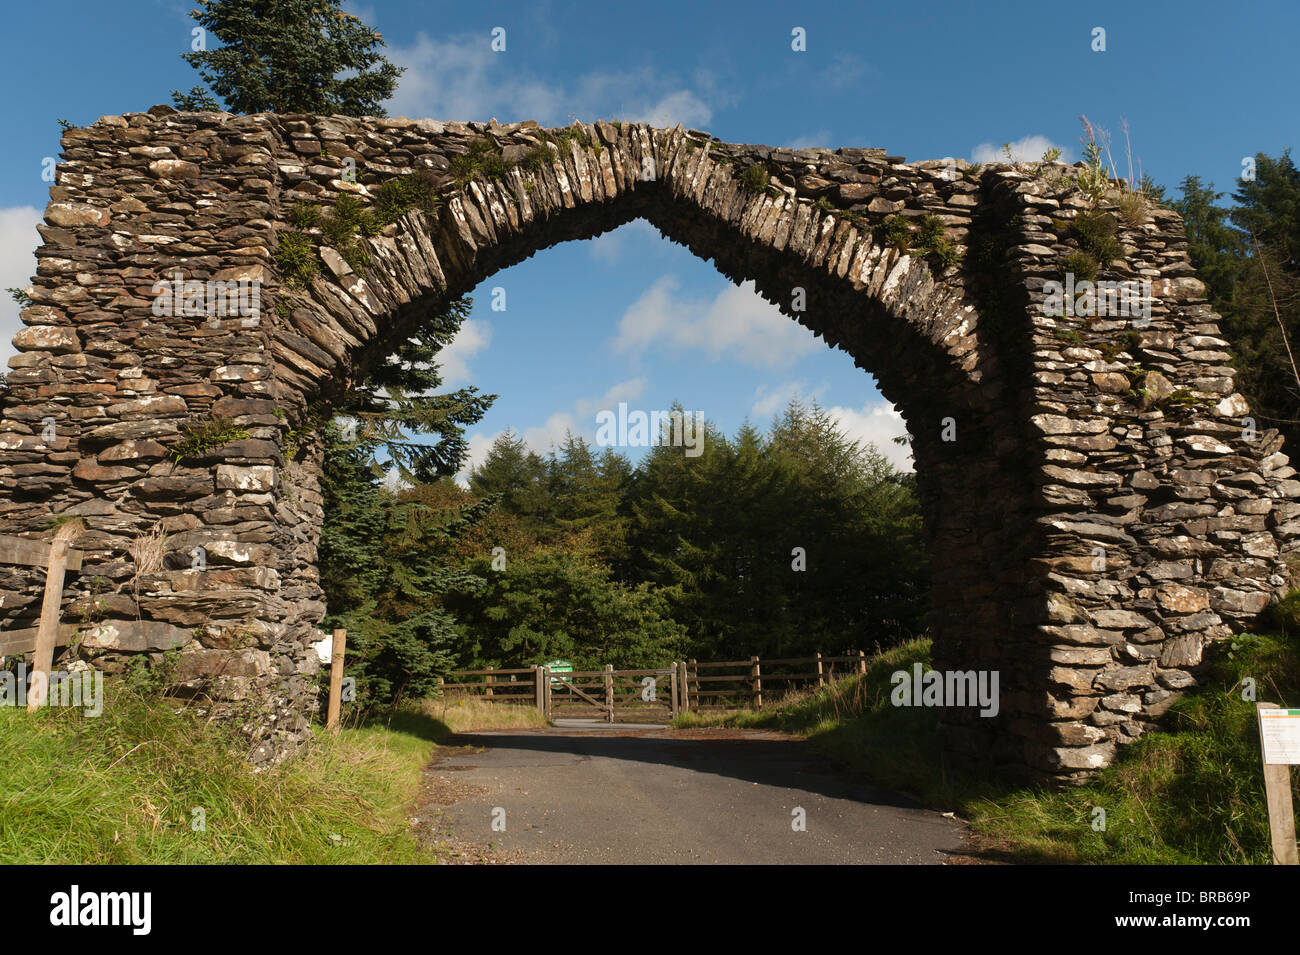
(649,795)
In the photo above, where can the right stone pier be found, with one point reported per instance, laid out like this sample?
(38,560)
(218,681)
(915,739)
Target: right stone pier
(1166,513)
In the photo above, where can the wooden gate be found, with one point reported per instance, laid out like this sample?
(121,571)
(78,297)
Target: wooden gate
(616,696)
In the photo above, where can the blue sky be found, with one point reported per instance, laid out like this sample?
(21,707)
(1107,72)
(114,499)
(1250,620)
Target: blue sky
(629,316)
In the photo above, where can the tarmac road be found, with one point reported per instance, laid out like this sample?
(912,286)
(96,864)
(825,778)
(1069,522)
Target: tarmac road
(593,794)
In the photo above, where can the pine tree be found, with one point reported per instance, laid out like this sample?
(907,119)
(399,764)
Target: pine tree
(288,56)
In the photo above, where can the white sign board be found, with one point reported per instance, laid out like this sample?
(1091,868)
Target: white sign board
(1279,731)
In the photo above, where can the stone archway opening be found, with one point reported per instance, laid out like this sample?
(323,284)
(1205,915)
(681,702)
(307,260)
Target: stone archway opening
(1030,458)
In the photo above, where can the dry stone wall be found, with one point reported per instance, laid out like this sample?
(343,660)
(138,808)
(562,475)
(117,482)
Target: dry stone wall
(1097,505)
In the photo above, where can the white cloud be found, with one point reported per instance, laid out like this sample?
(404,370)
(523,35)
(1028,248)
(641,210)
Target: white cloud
(876,422)
(609,247)
(473,337)
(736,323)
(462,78)
(548,436)
(820,138)
(1029,149)
(629,390)
(771,401)
(18,243)
(844,71)
(679,106)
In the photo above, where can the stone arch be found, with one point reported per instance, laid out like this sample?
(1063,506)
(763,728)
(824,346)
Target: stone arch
(1051,458)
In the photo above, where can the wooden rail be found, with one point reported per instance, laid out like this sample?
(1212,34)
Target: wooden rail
(683,685)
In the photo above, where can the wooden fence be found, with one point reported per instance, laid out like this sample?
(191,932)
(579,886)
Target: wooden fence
(654,693)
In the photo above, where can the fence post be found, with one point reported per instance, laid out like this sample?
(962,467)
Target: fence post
(609,692)
(488,684)
(1277,796)
(673,680)
(539,695)
(48,630)
(682,686)
(756,678)
(546,692)
(693,673)
(336,680)
(862,663)
(821,675)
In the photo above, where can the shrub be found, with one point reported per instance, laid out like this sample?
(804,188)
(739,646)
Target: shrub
(1133,208)
(304,215)
(295,258)
(198,437)
(756,178)
(893,232)
(483,159)
(1082,265)
(929,232)
(1095,233)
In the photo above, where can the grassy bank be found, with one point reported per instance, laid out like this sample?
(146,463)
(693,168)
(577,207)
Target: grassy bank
(124,787)
(1192,792)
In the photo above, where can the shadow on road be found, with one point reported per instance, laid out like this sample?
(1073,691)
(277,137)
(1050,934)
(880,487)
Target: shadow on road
(786,763)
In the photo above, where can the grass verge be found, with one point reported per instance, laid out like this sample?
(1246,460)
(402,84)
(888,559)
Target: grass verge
(124,787)
(1190,792)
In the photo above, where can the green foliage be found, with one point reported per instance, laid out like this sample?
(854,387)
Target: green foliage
(929,239)
(929,231)
(342,226)
(120,788)
(756,178)
(893,232)
(561,602)
(1094,179)
(720,530)
(289,56)
(396,404)
(1247,257)
(395,197)
(199,437)
(1095,232)
(483,159)
(946,253)
(1284,615)
(1082,265)
(1069,336)
(1133,208)
(304,215)
(384,559)
(295,258)
(19,296)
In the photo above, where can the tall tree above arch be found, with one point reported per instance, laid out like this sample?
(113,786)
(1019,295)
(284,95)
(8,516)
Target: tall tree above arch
(288,56)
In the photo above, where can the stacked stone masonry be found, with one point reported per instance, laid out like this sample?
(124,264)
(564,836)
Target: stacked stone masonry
(1088,540)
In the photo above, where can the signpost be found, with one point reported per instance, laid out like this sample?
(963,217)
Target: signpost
(1279,738)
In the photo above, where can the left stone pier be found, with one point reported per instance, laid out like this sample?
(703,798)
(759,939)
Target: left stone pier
(144,331)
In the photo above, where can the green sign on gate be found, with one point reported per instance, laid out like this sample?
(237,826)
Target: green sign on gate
(559,666)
